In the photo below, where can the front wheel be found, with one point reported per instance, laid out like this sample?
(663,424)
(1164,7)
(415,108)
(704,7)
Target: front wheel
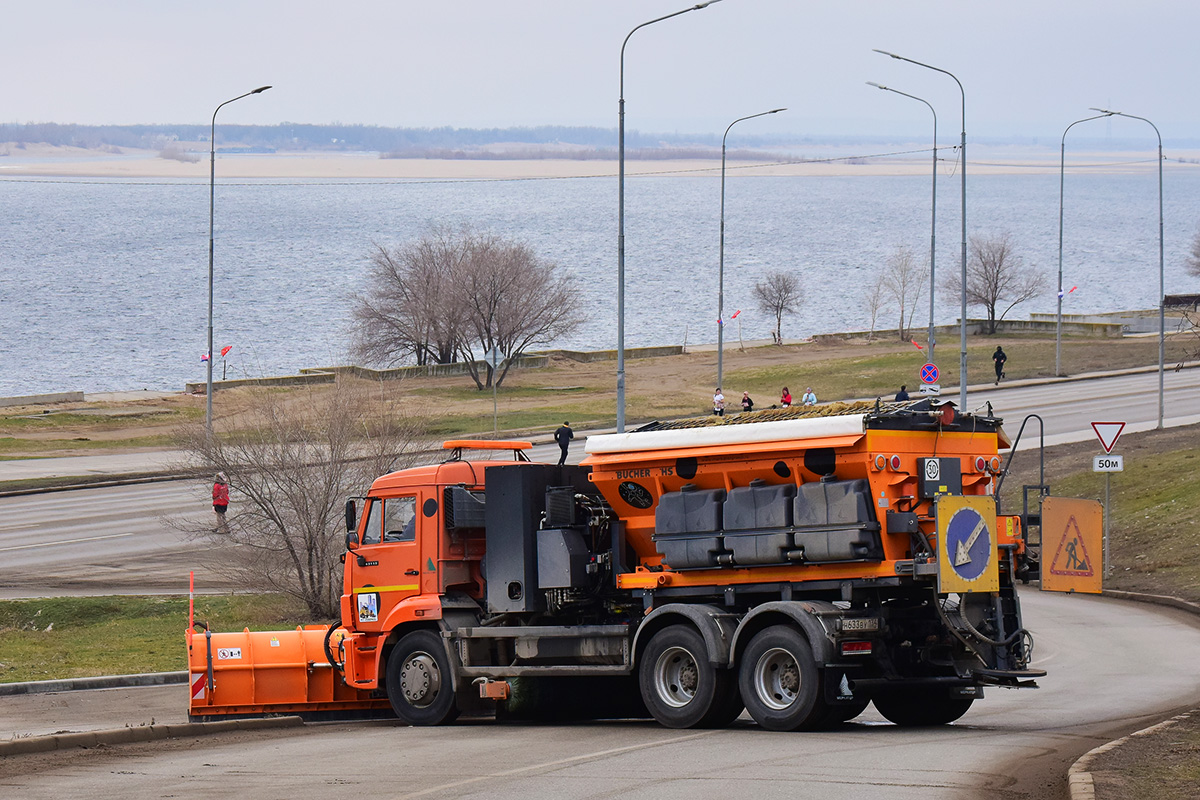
(780,683)
(921,707)
(680,687)
(419,683)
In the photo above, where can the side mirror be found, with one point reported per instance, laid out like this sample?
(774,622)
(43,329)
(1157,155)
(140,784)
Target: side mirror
(351,524)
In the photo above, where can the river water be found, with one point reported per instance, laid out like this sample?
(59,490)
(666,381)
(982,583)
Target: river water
(103,284)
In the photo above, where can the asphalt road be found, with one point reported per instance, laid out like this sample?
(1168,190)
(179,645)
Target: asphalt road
(1113,667)
(131,538)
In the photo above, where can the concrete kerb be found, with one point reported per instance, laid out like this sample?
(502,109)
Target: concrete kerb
(1079,777)
(143,733)
(101,682)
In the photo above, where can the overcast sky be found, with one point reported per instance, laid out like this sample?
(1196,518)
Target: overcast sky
(1029,67)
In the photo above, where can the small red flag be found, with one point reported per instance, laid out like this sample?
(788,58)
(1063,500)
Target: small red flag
(736,313)
(914,344)
(225,350)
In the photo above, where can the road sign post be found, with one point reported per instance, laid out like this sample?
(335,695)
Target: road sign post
(494,358)
(1107,433)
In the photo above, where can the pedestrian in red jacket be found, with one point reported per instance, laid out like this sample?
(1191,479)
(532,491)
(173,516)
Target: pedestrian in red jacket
(220,499)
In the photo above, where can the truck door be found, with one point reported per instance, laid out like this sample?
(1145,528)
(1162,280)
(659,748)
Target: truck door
(388,558)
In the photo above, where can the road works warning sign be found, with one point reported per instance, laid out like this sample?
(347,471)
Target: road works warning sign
(1072,545)
(967,544)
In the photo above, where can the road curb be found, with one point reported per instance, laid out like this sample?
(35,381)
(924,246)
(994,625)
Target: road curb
(145,733)
(117,480)
(1079,777)
(101,682)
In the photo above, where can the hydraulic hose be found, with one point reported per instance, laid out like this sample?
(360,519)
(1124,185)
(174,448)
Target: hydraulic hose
(338,665)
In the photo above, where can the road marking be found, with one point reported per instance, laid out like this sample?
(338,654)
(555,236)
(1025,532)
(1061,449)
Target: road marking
(558,763)
(64,541)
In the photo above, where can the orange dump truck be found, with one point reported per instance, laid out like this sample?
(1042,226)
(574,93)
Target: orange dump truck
(797,563)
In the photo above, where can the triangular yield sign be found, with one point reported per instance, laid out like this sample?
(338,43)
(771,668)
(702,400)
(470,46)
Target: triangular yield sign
(1072,557)
(1108,433)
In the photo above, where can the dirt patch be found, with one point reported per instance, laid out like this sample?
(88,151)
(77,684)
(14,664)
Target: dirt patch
(1164,765)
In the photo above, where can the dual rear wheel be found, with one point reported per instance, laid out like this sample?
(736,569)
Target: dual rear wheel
(681,687)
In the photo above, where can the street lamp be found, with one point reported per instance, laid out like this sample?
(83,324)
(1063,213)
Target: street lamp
(212,182)
(933,224)
(962,366)
(621,218)
(721,270)
(1062,167)
(1162,289)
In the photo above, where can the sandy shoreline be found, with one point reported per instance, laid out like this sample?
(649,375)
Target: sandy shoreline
(59,162)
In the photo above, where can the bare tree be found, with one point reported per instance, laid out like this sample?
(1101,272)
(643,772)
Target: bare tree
(778,294)
(457,294)
(509,299)
(1192,262)
(407,310)
(996,276)
(292,462)
(904,280)
(874,298)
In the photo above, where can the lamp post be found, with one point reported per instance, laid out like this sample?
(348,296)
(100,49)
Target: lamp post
(621,217)
(1162,320)
(933,213)
(962,366)
(1062,168)
(721,269)
(212,182)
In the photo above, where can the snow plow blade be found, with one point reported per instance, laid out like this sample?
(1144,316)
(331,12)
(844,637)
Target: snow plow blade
(248,674)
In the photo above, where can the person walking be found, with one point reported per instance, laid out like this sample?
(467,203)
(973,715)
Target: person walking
(220,500)
(785,398)
(809,398)
(903,393)
(719,403)
(747,403)
(999,357)
(563,436)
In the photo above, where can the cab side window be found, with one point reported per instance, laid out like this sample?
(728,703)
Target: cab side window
(373,526)
(400,519)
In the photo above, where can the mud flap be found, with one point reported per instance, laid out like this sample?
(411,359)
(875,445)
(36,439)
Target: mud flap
(840,686)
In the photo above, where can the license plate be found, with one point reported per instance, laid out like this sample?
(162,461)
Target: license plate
(860,624)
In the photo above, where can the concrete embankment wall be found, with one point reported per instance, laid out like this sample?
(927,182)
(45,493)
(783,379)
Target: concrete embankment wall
(41,399)
(541,359)
(1107,329)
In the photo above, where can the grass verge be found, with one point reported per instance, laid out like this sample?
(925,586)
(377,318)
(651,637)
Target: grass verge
(73,637)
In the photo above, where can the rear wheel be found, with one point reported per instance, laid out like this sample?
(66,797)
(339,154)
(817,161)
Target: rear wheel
(419,683)
(921,707)
(681,688)
(780,683)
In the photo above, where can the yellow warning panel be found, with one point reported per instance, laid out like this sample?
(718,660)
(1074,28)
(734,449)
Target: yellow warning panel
(967,555)
(1072,545)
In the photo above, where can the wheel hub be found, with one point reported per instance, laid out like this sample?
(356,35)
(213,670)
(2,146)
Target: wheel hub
(420,679)
(676,677)
(777,679)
